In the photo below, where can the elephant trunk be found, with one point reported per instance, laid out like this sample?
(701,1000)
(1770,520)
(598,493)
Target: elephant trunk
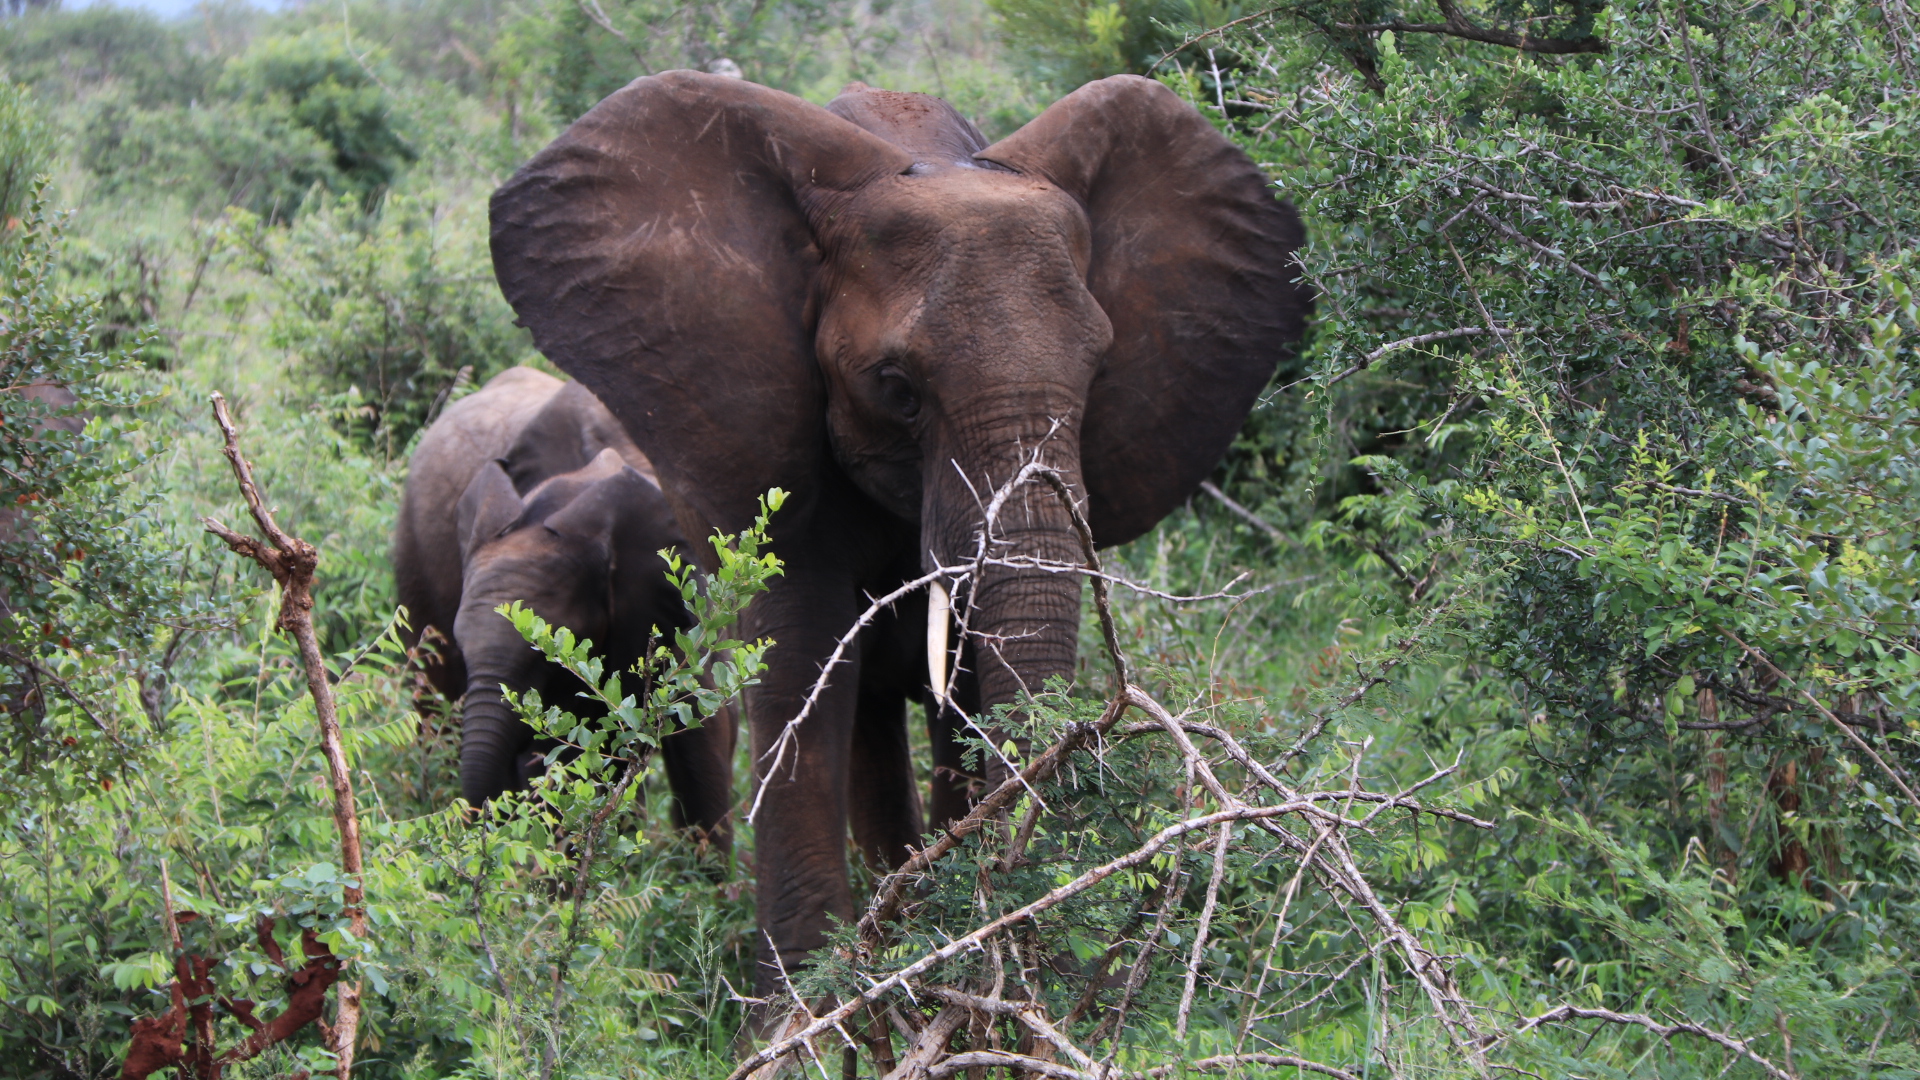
(492,735)
(1022,619)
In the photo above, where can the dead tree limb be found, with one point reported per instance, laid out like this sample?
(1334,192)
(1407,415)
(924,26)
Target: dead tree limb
(292,562)
(1564,1013)
(183,1037)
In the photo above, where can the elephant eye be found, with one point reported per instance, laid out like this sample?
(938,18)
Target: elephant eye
(897,391)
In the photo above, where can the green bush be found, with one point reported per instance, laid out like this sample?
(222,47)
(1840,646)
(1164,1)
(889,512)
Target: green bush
(1075,42)
(289,115)
(208,156)
(395,310)
(25,147)
(321,85)
(1614,372)
(585,51)
(64,53)
(86,577)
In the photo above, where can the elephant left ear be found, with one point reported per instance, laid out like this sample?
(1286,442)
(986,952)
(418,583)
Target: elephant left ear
(1193,262)
(615,505)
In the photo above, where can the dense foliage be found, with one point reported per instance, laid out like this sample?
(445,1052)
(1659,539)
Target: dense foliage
(1596,484)
(1618,341)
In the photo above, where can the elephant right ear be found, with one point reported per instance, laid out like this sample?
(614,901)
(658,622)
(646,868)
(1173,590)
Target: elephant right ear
(488,508)
(1193,262)
(661,252)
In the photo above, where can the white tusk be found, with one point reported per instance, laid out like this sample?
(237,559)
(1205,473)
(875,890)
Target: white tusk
(939,607)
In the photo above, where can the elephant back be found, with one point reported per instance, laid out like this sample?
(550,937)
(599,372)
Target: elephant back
(478,428)
(566,435)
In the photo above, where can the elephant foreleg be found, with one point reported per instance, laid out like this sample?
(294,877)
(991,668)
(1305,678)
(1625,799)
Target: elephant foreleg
(800,826)
(882,797)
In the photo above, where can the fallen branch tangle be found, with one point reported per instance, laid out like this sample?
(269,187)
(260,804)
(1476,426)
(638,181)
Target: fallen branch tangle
(985,988)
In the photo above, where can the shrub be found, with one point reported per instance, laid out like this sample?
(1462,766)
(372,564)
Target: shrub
(322,86)
(25,147)
(588,50)
(1615,364)
(396,309)
(208,156)
(64,53)
(1068,44)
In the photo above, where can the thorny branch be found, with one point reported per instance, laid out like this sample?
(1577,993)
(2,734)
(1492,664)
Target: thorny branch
(1564,1013)
(928,1053)
(917,997)
(1458,25)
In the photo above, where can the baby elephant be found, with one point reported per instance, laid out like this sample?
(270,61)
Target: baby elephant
(529,490)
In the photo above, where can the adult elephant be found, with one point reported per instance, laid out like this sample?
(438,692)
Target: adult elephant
(868,306)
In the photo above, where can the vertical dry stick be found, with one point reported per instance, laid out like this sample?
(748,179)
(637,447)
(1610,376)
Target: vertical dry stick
(291,561)
(1716,778)
(1200,934)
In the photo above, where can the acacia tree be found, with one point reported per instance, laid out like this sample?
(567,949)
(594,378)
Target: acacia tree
(1616,363)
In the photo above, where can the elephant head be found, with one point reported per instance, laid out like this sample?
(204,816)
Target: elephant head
(755,284)
(868,306)
(582,551)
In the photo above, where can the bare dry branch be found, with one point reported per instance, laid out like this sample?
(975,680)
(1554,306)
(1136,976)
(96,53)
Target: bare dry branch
(292,562)
(1233,1061)
(785,740)
(1864,746)
(1273,532)
(968,942)
(1564,1013)
(1199,950)
(1458,25)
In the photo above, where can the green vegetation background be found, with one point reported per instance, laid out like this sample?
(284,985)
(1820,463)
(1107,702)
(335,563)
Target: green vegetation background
(1609,426)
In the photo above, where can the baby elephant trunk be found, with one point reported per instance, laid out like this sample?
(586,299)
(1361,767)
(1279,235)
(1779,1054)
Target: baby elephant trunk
(493,738)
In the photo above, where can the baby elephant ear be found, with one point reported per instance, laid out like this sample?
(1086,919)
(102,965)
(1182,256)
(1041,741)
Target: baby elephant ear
(488,508)
(1193,262)
(661,252)
(613,500)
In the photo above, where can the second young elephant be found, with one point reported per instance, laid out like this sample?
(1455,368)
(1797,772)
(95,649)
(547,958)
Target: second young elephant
(529,490)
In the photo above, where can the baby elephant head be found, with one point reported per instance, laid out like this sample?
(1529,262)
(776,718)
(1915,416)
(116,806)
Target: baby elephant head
(581,550)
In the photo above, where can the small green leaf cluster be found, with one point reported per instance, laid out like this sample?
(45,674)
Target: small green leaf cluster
(682,685)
